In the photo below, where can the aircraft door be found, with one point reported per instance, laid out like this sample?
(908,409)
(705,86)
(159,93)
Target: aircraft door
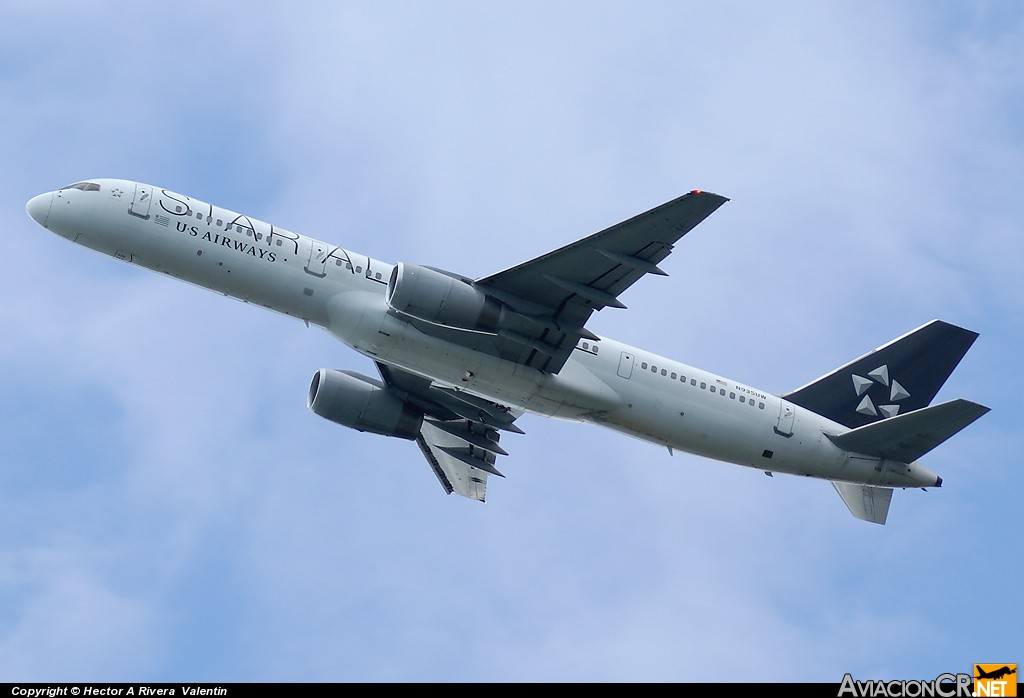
(141,201)
(317,264)
(787,414)
(626,364)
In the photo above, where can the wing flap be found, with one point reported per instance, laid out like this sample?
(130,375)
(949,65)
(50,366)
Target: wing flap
(459,433)
(454,462)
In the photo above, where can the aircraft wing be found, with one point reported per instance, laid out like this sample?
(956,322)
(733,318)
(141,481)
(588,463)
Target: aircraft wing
(459,434)
(570,283)
(553,296)
(454,465)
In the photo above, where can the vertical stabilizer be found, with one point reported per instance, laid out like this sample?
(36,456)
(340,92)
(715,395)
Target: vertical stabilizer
(865,502)
(902,376)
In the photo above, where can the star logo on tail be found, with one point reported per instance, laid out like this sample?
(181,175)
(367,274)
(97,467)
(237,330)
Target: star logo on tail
(887,391)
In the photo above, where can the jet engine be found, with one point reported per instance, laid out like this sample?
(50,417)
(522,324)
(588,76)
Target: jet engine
(362,403)
(443,299)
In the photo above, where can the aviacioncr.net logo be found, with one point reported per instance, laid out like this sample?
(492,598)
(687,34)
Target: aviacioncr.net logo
(943,686)
(995,680)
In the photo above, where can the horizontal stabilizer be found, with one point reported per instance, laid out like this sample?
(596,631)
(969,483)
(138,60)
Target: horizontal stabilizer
(907,437)
(864,502)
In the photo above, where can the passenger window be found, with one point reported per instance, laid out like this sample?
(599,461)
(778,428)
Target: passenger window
(693,381)
(760,405)
(199,216)
(732,396)
(219,222)
(177,209)
(673,375)
(337,263)
(586,346)
(742,399)
(703,385)
(664,372)
(595,346)
(359,270)
(278,243)
(377,276)
(644,365)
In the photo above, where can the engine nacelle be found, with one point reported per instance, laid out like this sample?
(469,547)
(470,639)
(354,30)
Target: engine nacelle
(362,403)
(435,297)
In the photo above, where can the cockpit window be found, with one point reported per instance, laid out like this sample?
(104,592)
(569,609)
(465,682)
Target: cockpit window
(84,186)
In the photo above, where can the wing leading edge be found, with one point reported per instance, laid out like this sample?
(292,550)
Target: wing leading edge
(564,287)
(545,303)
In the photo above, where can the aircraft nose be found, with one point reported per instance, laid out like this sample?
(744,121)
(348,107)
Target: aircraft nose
(39,207)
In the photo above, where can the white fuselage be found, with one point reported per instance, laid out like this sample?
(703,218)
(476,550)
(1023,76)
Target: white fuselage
(604,382)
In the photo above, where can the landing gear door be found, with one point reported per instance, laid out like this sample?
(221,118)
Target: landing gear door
(141,201)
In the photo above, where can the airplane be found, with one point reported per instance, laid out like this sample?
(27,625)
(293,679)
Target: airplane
(461,359)
(997,673)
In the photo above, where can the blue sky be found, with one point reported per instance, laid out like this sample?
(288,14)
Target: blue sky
(169,509)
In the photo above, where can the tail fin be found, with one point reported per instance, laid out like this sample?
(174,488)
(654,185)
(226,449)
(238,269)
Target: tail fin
(902,376)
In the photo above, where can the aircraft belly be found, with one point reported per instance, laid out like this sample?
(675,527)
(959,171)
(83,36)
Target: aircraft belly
(355,318)
(579,393)
(361,320)
(719,428)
